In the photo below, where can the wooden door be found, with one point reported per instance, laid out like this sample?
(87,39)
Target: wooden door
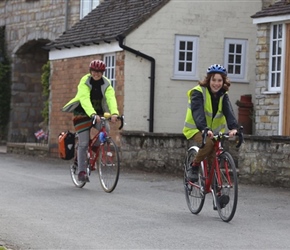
(286,105)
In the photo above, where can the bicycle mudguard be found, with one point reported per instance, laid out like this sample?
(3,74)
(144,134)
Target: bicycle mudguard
(193,147)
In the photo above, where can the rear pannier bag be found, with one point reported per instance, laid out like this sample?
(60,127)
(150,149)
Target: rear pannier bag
(66,145)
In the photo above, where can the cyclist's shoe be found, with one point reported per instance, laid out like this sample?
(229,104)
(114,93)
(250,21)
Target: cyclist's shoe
(192,173)
(83,177)
(223,200)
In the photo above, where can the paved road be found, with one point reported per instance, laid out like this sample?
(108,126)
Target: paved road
(41,209)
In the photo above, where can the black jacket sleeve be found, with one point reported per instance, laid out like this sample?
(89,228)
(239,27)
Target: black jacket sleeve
(197,110)
(229,113)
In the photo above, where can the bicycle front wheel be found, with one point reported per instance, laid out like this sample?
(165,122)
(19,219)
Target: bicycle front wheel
(193,191)
(109,165)
(226,189)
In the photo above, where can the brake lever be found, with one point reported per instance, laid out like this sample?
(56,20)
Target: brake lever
(241,136)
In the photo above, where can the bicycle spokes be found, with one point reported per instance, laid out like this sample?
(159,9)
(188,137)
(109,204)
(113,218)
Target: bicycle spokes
(109,165)
(226,187)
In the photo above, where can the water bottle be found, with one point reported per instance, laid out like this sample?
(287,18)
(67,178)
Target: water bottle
(102,137)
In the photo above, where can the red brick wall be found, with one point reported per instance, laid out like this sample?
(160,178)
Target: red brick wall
(65,76)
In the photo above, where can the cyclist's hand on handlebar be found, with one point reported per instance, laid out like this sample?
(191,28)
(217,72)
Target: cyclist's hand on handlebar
(209,133)
(95,118)
(114,118)
(232,132)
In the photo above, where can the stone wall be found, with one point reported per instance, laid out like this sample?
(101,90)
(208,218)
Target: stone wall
(160,152)
(260,160)
(265,160)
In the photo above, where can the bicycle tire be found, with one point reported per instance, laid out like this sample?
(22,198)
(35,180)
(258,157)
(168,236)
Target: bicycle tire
(226,194)
(109,165)
(74,175)
(193,193)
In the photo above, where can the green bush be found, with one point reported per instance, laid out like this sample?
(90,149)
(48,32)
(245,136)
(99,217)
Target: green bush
(45,91)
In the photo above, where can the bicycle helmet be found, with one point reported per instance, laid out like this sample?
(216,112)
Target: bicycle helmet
(97,65)
(217,68)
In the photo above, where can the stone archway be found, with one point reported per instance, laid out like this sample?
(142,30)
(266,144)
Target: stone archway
(27,101)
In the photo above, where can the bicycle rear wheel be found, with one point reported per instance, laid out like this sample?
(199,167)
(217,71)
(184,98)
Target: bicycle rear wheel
(226,192)
(193,191)
(109,165)
(74,175)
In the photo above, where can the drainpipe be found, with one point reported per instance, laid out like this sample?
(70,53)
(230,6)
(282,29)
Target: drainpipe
(66,16)
(120,39)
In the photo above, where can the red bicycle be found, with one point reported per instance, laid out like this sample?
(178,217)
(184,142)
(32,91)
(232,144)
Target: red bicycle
(103,154)
(220,179)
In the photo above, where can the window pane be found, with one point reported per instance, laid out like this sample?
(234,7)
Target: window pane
(239,49)
(237,69)
(278,80)
(280,31)
(238,59)
(273,63)
(181,66)
(189,56)
(188,67)
(231,58)
(181,56)
(279,47)
(232,48)
(190,46)
(273,80)
(274,48)
(274,31)
(279,63)
(230,69)
(182,45)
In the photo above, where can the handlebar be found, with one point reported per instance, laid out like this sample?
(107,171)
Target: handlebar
(220,135)
(107,116)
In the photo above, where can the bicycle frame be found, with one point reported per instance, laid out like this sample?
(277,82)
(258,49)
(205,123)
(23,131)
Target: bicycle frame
(219,179)
(94,149)
(209,172)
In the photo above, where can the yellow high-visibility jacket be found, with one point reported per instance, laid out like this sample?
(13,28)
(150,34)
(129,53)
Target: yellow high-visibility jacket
(109,103)
(216,123)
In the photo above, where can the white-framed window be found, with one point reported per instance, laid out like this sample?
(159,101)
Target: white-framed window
(87,6)
(110,61)
(276,57)
(235,58)
(185,57)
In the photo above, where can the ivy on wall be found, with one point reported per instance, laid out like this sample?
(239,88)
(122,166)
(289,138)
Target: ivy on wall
(45,91)
(5,87)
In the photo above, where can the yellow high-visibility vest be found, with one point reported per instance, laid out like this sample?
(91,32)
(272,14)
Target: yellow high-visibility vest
(216,124)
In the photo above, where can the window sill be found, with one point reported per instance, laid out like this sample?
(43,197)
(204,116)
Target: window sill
(184,78)
(271,92)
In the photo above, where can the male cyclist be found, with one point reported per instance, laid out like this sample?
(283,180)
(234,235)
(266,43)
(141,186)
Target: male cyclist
(94,97)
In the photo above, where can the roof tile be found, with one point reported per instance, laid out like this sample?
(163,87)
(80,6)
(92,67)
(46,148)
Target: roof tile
(107,21)
(276,9)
